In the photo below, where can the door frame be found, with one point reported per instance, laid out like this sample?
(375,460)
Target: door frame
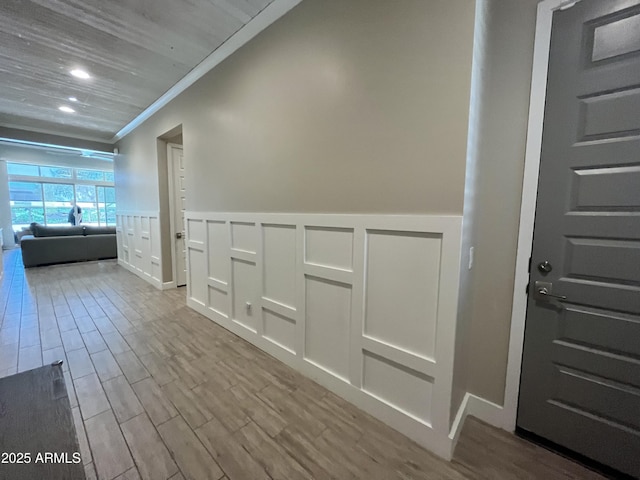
(172,210)
(533,152)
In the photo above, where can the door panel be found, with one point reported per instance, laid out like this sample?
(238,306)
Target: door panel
(600,328)
(580,384)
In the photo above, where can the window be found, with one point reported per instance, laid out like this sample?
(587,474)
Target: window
(26,203)
(107,205)
(87,201)
(48,193)
(56,172)
(95,175)
(21,169)
(58,200)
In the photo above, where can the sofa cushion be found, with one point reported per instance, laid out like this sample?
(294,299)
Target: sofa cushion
(101,246)
(57,231)
(58,249)
(91,230)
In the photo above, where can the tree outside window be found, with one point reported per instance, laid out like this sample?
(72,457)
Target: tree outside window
(58,198)
(86,199)
(26,203)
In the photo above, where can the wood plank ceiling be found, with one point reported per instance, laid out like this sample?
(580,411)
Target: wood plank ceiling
(134,50)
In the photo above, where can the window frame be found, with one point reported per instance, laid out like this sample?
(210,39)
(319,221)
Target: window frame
(73,181)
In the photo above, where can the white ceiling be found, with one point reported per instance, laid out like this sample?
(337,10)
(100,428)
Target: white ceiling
(135,50)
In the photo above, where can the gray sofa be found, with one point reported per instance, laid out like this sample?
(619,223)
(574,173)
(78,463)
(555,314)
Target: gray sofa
(49,245)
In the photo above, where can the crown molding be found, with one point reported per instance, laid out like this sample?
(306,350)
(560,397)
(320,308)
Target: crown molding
(257,24)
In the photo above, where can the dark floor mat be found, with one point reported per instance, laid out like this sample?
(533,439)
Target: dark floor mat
(37,435)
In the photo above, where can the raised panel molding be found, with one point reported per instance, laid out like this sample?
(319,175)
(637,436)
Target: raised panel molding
(356,302)
(218,250)
(327,325)
(139,245)
(402,279)
(279,247)
(406,389)
(245,294)
(244,237)
(279,329)
(329,247)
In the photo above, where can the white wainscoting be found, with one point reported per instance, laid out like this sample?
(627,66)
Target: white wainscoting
(138,235)
(363,304)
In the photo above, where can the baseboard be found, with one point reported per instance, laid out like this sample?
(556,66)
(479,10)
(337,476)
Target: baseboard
(458,422)
(487,411)
(143,275)
(168,285)
(480,408)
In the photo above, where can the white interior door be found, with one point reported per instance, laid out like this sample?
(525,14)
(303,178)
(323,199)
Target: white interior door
(176,167)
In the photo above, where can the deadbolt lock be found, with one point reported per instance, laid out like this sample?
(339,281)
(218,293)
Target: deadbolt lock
(545,267)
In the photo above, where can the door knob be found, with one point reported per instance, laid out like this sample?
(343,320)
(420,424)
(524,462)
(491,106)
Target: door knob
(544,290)
(179,235)
(545,293)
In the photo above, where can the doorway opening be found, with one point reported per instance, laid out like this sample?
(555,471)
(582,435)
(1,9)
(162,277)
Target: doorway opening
(171,176)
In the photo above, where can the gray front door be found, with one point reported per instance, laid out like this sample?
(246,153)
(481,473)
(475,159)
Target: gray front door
(580,384)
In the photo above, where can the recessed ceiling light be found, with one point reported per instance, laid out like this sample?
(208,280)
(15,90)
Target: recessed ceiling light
(80,74)
(66,109)
(73,99)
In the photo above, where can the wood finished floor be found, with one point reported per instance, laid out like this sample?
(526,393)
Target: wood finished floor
(160,392)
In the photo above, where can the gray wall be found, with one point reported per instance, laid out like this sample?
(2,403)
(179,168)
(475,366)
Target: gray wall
(356,106)
(477,109)
(5,208)
(495,164)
